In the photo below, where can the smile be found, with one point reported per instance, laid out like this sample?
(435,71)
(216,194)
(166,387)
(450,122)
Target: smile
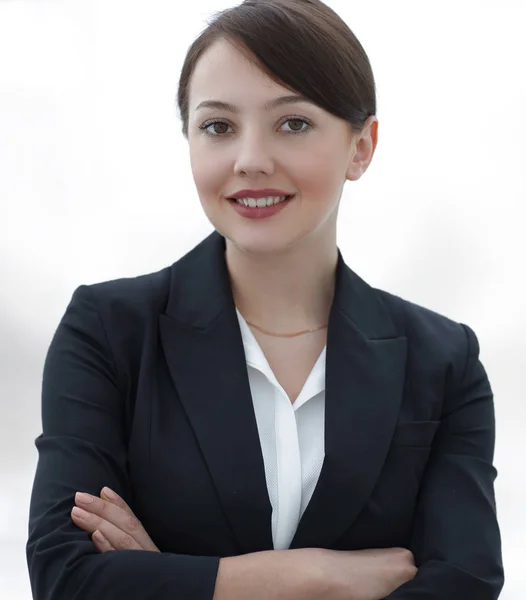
(260,208)
(261,202)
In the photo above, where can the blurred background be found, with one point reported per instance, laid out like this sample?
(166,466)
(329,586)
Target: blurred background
(95,184)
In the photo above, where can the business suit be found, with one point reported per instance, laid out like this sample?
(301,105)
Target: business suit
(145,390)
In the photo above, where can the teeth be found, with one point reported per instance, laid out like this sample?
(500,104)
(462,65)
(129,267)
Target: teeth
(261,202)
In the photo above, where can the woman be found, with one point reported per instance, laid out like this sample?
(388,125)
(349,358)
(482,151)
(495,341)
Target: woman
(272,426)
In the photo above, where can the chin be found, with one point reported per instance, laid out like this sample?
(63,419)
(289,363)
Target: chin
(263,244)
(253,245)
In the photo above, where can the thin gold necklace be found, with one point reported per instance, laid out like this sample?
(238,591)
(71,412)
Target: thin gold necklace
(286,335)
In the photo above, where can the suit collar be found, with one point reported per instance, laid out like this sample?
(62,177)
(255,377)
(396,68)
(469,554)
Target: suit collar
(200,291)
(365,364)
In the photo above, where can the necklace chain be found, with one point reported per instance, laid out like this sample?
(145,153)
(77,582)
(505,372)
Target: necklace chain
(286,335)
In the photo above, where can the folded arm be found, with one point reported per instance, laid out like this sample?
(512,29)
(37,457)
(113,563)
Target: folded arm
(456,539)
(82,448)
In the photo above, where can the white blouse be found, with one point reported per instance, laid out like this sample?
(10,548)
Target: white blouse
(291,436)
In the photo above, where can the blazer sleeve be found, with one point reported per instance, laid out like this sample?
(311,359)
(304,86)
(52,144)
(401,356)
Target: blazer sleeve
(82,448)
(456,539)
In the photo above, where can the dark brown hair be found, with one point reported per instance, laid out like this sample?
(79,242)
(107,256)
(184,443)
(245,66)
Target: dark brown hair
(301,44)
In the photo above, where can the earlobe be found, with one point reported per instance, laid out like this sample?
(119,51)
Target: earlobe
(354,172)
(357,163)
(363,149)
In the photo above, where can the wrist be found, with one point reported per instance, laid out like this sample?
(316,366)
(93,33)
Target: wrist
(271,575)
(310,571)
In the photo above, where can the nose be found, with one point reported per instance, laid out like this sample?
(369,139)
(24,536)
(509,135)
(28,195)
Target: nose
(253,156)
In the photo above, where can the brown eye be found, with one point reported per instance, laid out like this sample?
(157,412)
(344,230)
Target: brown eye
(207,128)
(298,122)
(295,125)
(219,124)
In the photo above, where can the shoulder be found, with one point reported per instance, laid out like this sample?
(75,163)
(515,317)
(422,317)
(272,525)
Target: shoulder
(123,311)
(142,294)
(120,316)
(432,337)
(420,321)
(146,294)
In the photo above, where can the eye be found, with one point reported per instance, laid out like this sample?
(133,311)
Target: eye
(295,121)
(206,127)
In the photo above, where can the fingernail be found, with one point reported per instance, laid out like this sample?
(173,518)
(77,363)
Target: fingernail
(83,498)
(99,537)
(110,494)
(80,514)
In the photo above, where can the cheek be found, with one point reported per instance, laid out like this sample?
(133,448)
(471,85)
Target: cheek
(320,174)
(208,173)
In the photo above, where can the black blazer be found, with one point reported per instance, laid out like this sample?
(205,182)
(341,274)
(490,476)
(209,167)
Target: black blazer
(145,390)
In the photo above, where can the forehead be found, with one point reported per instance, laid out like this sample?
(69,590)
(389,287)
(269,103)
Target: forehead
(223,71)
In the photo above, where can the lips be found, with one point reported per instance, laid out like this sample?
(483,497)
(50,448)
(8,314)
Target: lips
(262,193)
(259,212)
(286,196)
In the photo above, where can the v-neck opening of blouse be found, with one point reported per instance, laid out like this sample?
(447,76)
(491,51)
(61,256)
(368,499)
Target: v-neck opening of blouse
(255,357)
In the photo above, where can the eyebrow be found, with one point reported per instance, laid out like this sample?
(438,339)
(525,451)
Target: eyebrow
(267,106)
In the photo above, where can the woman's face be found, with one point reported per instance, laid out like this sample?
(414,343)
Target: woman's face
(296,148)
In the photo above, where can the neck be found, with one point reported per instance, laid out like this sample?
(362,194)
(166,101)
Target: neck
(290,291)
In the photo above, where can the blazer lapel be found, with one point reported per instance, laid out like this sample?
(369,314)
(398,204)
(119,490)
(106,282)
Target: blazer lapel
(204,351)
(365,371)
(365,368)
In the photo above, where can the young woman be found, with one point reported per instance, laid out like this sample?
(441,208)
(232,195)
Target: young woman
(273,427)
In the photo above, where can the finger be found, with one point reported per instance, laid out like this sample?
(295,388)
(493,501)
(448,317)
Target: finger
(122,519)
(108,494)
(101,542)
(119,539)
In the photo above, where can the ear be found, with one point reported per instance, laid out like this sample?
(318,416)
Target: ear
(362,151)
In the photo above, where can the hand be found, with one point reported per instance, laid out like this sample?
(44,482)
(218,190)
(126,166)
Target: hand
(111,522)
(358,575)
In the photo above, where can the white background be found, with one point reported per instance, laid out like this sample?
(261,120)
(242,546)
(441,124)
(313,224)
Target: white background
(95,184)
